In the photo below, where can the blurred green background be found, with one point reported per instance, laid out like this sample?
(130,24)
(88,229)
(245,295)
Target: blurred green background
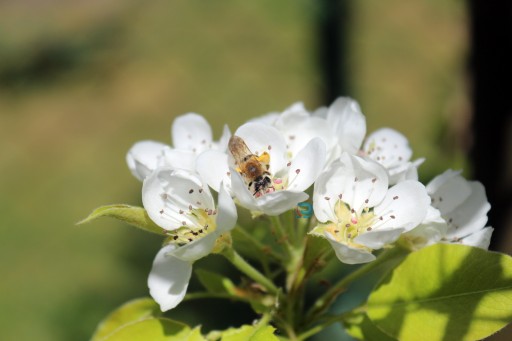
(81,81)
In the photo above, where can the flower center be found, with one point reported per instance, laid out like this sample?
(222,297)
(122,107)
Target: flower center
(197,223)
(349,223)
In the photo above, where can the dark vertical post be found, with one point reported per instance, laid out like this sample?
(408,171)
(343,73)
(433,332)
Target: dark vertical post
(490,66)
(332,23)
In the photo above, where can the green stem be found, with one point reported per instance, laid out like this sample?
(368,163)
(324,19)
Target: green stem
(201,295)
(259,245)
(326,299)
(328,321)
(281,234)
(235,259)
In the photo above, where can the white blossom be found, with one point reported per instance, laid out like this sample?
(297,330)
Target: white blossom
(179,202)
(391,149)
(357,211)
(191,135)
(460,216)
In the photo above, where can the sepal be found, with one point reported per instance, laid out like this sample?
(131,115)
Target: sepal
(133,215)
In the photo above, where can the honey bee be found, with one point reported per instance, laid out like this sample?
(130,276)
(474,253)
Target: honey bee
(253,168)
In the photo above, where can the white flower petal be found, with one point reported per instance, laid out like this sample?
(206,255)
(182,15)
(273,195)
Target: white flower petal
(165,192)
(322,193)
(448,191)
(212,165)
(471,215)
(405,205)
(321,112)
(268,119)
(142,158)
(191,132)
(197,248)
(227,215)
(348,123)
(349,255)
(359,182)
(179,159)
(426,234)
(259,137)
(306,166)
(376,239)
(168,279)
(388,147)
(222,145)
(279,202)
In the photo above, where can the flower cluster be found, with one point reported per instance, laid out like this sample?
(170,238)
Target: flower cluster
(365,190)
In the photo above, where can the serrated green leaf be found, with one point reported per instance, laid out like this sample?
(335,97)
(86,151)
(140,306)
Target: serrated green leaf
(215,283)
(250,333)
(360,327)
(133,215)
(134,310)
(155,329)
(445,292)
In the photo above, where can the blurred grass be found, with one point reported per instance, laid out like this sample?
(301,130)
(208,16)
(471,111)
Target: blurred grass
(82,81)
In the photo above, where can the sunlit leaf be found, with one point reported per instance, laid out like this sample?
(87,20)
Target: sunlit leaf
(250,333)
(445,292)
(133,215)
(155,329)
(131,311)
(360,327)
(215,283)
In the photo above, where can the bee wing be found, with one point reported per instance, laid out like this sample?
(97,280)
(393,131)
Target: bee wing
(239,149)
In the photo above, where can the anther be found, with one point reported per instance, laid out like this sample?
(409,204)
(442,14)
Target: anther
(395,197)
(327,198)
(297,171)
(392,216)
(190,191)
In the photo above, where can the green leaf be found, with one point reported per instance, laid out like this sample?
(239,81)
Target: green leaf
(134,310)
(360,327)
(133,215)
(155,329)
(215,283)
(250,333)
(445,292)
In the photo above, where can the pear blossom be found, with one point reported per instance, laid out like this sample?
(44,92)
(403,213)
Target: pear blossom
(463,205)
(181,203)
(299,127)
(289,176)
(391,149)
(357,211)
(191,135)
